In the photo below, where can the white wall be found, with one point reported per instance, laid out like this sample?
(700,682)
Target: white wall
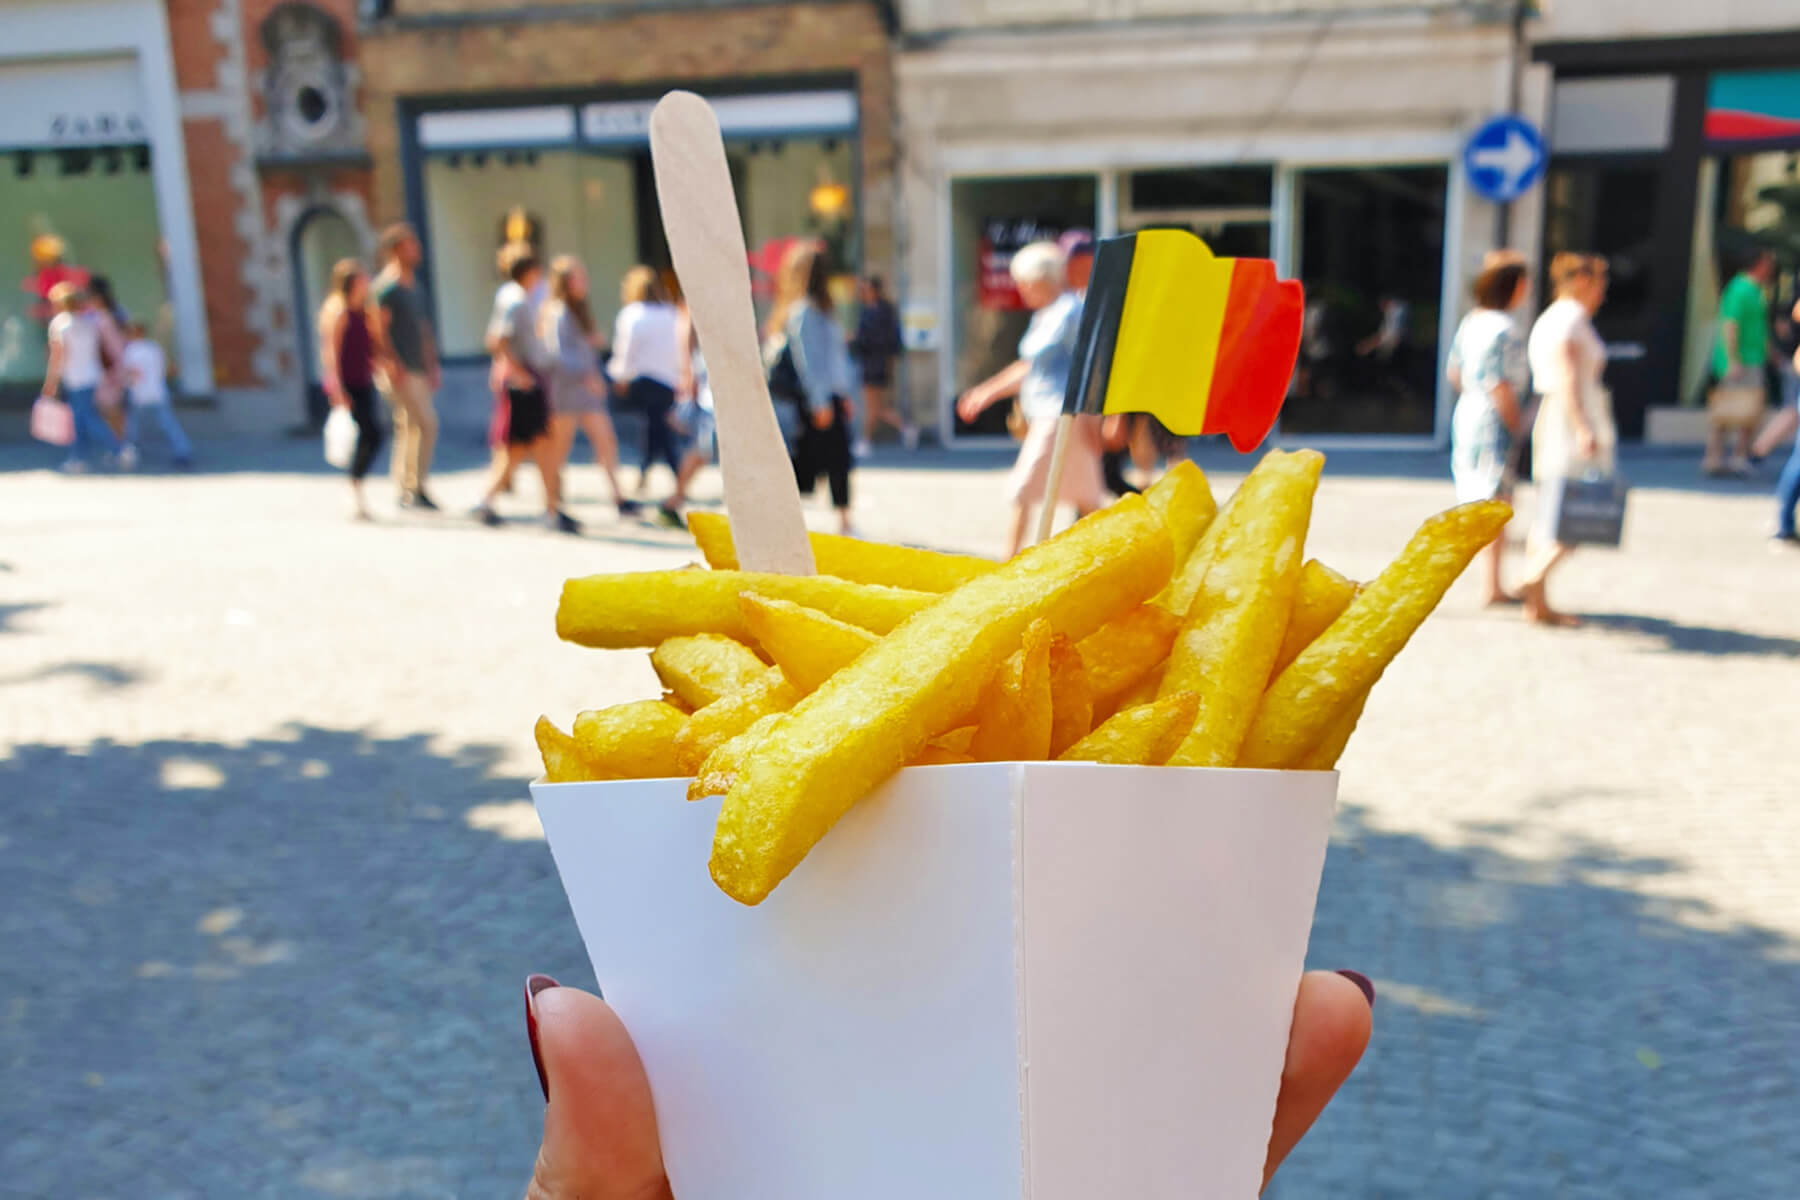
(1592,20)
(35,29)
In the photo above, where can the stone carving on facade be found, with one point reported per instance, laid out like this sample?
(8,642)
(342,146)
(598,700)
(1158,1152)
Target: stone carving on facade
(308,89)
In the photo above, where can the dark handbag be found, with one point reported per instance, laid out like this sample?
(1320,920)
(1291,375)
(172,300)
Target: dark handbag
(788,395)
(1588,511)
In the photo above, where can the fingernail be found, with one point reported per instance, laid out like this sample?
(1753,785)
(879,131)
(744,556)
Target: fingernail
(533,985)
(1360,980)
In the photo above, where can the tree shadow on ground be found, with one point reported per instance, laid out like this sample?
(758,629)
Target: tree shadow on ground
(292,967)
(102,675)
(1542,1031)
(287,967)
(1694,639)
(9,613)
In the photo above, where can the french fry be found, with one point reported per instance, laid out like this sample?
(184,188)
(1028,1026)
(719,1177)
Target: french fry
(879,712)
(1120,653)
(807,645)
(1344,662)
(1241,610)
(716,775)
(1190,572)
(674,701)
(719,722)
(934,755)
(1071,696)
(1319,599)
(1325,755)
(1185,500)
(705,667)
(1143,691)
(852,558)
(957,741)
(631,741)
(647,608)
(1016,708)
(1144,736)
(562,757)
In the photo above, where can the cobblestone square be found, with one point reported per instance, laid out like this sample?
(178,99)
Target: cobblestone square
(272,880)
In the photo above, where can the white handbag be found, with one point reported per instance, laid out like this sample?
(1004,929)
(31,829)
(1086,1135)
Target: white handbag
(340,438)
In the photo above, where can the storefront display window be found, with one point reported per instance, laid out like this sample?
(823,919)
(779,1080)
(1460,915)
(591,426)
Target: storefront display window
(1229,208)
(992,219)
(600,205)
(1371,244)
(96,204)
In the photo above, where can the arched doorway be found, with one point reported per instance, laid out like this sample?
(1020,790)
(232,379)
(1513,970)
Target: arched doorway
(321,237)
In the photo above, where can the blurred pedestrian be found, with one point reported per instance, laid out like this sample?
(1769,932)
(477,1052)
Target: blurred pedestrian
(1488,368)
(874,347)
(646,366)
(1786,422)
(1040,378)
(693,417)
(347,358)
(577,390)
(146,371)
(1574,434)
(409,374)
(804,318)
(521,359)
(75,369)
(500,415)
(1787,491)
(1740,354)
(105,309)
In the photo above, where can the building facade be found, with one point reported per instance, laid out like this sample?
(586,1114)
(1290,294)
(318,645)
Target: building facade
(541,128)
(1675,135)
(1325,136)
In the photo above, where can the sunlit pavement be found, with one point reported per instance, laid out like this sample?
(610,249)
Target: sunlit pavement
(272,884)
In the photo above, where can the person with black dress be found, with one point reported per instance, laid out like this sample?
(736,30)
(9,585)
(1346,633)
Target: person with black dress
(875,346)
(347,354)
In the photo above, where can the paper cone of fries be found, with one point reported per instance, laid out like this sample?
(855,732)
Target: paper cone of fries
(989,981)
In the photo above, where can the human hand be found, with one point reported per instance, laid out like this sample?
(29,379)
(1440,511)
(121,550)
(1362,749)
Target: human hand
(1585,442)
(972,403)
(600,1140)
(823,418)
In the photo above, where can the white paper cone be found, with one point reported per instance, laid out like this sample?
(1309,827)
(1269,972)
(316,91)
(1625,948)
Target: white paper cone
(1043,981)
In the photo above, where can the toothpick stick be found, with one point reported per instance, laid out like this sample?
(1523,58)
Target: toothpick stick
(706,239)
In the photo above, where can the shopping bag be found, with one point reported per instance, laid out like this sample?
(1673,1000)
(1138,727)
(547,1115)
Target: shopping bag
(52,421)
(340,438)
(1735,406)
(1585,511)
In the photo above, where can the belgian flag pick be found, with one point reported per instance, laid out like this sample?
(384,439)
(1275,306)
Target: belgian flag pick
(1203,344)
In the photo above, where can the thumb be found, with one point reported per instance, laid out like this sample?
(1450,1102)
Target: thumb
(600,1139)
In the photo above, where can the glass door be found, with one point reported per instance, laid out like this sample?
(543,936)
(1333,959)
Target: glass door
(1229,208)
(1371,254)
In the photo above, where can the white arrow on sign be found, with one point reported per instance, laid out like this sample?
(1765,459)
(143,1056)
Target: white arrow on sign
(1514,160)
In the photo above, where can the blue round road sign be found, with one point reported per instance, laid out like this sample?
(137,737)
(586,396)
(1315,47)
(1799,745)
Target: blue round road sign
(1504,158)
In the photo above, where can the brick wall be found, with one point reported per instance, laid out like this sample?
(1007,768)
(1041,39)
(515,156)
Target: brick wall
(639,49)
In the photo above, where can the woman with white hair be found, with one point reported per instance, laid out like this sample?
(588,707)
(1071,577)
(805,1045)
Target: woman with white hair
(1039,378)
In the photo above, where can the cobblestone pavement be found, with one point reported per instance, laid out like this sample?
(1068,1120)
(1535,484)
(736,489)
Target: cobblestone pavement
(271,883)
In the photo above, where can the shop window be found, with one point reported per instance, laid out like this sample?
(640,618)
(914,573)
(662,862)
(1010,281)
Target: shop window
(1372,257)
(90,210)
(991,219)
(1226,207)
(1608,209)
(601,207)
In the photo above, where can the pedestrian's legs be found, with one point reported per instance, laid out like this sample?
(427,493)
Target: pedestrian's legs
(543,452)
(1533,588)
(835,450)
(393,389)
(425,428)
(179,446)
(91,433)
(1787,494)
(1015,529)
(599,429)
(368,442)
(660,442)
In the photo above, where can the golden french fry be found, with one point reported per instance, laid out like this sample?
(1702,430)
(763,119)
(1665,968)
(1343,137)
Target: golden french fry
(1241,610)
(1190,572)
(879,712)
(852,558)
(719,722)
(1143,736)
(1185,500)
(1143,692)
(716,775)
(631,741)
(934,755)
(648,607)
(1320,598)
(1016,709)
(705,667)
(1071,696)
(674,701)
(807,645)
(1325,755)
(562,757)
(957,741)
(1344,662)
(1120,653)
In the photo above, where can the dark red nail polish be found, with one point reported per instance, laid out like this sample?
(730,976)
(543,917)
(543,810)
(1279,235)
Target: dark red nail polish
(533,985)
(1362,981)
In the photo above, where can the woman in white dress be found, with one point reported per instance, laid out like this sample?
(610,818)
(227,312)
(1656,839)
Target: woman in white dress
(1574,434)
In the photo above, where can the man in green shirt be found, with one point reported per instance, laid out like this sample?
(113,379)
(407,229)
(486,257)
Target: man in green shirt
(1740,355)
